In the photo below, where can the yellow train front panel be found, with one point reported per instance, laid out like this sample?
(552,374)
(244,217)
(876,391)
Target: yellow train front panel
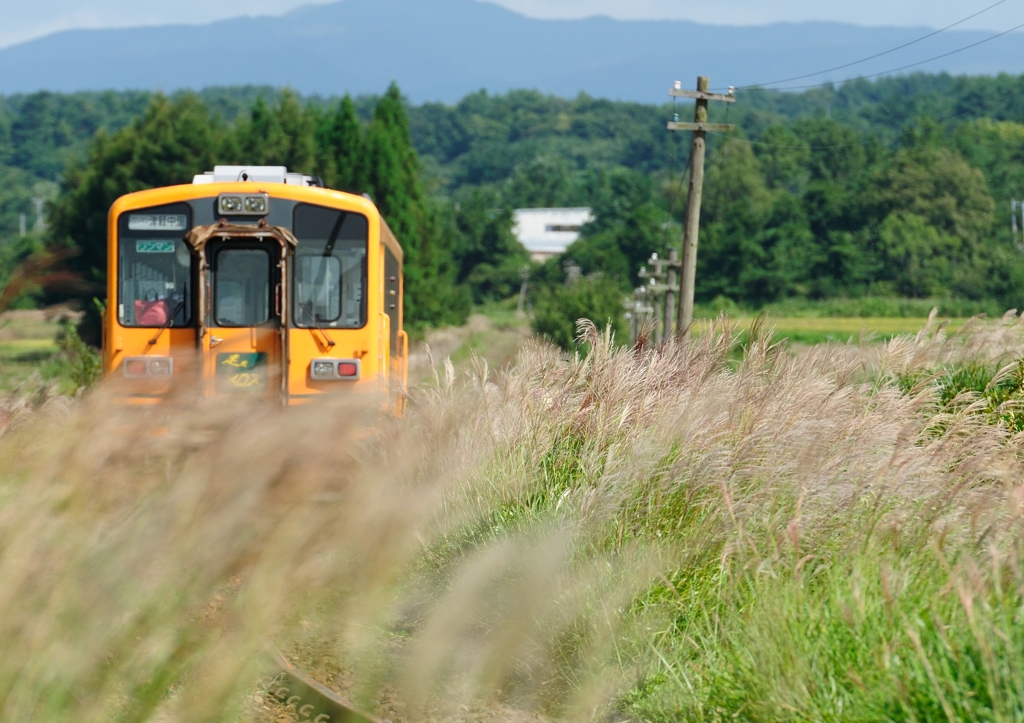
(252,282)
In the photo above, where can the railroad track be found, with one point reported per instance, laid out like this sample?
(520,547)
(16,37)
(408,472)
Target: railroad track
(310,700)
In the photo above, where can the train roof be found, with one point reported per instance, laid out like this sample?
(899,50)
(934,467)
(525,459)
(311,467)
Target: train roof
(257,174)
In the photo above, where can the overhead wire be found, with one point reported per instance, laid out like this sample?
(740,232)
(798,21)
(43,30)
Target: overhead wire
(949,119)
(672,164)
(877,55)
(911,65)
(972,110)
(673,189)
(864,141)
(867,141)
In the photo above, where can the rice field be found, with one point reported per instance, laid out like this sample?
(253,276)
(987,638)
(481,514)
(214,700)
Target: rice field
(820,330)
(26,341)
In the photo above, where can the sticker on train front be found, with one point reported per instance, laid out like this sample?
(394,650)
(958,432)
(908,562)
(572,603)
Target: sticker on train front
(238,372)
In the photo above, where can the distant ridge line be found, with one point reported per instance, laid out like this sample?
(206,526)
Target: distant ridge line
(445,49)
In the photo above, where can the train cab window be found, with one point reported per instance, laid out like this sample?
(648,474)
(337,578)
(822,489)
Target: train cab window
(330,268)
(319,293)
(154,268)
(241,288)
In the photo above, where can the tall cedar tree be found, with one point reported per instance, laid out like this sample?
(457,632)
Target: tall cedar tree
(431,294)
(340,159)
(282,135)
(170,143)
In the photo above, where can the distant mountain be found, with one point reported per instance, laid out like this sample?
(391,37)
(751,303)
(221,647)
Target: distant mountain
(443,49)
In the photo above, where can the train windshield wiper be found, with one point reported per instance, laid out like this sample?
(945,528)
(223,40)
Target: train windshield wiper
(314,317)
(170,317)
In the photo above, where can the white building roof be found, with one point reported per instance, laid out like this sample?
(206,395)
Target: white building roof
(549,231)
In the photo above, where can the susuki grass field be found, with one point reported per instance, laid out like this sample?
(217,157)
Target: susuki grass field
(690,533)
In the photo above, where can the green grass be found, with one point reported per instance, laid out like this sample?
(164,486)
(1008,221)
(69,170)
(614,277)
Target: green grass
(804,601)
(497,341)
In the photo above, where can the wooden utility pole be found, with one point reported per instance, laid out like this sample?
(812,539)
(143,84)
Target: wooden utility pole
(700,128)
(661,295)
(670,292)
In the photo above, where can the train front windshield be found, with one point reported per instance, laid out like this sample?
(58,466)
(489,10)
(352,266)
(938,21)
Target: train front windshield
(242,288)
(156,272)
(330,268)
(155,268)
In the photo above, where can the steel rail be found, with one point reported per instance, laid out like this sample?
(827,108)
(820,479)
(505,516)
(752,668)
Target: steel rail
(311,700)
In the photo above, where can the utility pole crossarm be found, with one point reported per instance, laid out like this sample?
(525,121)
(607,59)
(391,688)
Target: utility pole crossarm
(706,127)
(701,95)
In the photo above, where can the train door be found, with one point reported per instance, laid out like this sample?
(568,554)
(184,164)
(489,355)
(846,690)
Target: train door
(242,348)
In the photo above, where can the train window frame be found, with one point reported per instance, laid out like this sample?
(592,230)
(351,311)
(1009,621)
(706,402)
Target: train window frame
(156,237)
(271,320)
(360,244)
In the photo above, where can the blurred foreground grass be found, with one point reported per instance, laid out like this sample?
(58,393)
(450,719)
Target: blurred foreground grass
(688,533)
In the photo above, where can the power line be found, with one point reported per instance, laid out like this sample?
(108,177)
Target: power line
(904,133)
(911,65)
(790,147)
(970,111)
(878,55)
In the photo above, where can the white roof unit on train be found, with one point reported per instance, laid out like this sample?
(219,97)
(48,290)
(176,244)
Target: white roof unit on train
(256,174)
(548,232)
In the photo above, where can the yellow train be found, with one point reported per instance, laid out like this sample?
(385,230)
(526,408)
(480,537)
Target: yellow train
(255,281)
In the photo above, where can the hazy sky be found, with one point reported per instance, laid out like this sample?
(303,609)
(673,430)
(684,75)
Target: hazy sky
(24,20)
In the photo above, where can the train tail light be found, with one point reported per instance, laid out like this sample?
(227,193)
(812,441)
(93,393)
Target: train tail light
(146,367)
(334,370)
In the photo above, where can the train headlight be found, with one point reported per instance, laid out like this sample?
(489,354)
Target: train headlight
(230,204)
(323,370)
(327,370)
(160,367)
(256,204)
(243,204)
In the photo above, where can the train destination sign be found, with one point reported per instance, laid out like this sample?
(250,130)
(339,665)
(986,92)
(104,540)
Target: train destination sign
(157,222)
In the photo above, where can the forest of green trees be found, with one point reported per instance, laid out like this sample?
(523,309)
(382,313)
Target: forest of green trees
(897,188)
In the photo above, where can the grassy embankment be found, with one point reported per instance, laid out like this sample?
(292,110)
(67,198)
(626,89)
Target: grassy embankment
(27,340)
(675,535)
(41,356)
